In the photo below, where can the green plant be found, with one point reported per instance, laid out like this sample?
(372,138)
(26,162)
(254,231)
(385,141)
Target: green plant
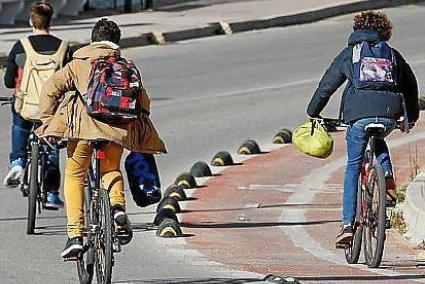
(398,223)
(401,193)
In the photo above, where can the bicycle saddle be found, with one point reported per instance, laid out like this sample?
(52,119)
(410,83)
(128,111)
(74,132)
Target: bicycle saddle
(375,129)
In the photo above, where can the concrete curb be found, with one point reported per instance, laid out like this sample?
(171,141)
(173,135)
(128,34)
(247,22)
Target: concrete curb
(223,28)
(413,208)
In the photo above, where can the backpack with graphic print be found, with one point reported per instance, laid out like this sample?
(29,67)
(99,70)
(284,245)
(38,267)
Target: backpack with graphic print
(374,66)
(113,93)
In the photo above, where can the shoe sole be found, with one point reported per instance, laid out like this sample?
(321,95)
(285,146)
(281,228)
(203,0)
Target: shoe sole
(52,206)
(124,231)
(72,251)
(344,239)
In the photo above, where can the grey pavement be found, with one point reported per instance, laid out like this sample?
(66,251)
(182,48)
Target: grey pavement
(185,16)
(208,95)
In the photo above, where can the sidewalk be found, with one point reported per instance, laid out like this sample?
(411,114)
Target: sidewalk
(193,19)
(279,213)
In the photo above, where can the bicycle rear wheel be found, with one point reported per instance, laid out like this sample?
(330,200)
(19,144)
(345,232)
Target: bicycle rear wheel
(374,230)
(352,253)
(85,262)
(33,188)
(103,245)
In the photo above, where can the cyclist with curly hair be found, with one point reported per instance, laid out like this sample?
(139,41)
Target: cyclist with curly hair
(378,78)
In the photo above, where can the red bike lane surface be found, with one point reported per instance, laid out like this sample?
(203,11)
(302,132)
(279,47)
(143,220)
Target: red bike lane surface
(246,216)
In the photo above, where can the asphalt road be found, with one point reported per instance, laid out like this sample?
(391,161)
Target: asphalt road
(208,95)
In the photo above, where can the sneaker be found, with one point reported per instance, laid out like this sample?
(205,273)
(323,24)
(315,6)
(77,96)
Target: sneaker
(72,248)
(123,229)
(344,237)
(14,176)
(391,190)
(53,201)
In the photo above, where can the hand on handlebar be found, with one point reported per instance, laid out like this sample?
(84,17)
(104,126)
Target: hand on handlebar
(402,127)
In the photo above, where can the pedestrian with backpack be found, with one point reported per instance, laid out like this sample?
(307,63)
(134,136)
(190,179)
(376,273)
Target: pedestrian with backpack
(30,63)
(108,103)
(378,78)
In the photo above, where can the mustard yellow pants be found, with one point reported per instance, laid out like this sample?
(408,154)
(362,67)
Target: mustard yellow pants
(79,155)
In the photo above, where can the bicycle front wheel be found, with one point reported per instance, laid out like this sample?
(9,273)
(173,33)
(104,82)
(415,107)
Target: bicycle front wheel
(374,230)
(103,246)
(32,189)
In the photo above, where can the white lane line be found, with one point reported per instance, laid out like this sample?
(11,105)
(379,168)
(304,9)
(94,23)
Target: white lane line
(245,92)
(316,179)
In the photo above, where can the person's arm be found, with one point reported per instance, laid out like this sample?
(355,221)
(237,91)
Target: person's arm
(408,86)
(333,78)
(11,67)
(53,90)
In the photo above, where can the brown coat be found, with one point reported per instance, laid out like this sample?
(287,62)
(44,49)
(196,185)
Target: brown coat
(66,116)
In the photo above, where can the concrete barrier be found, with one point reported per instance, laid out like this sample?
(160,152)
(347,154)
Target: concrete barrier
(413,209)
(9,10)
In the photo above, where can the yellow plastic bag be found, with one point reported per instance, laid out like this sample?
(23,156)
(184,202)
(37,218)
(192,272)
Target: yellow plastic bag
(312,139)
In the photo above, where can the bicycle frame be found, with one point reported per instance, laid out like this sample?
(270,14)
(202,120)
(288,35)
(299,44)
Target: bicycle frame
(101,241)
(364,177)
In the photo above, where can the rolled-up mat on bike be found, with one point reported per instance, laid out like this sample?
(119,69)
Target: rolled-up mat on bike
(312,139)
(143,178)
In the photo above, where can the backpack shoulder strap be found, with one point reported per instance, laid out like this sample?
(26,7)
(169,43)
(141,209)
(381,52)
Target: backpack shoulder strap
(59,55)
(28,48)
(357,50)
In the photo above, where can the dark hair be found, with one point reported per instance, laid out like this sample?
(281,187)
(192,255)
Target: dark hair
(106,29)
(41,15)
(374,21)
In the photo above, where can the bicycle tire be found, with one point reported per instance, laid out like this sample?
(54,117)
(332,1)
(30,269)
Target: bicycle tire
(373,253)
(33,189)
(352,253)
(104,245)
(85,262)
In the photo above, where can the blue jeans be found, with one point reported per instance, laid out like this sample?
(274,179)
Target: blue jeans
(356,146)
(21,130)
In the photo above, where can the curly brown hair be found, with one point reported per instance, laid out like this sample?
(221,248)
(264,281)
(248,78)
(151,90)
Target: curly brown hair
(375,21)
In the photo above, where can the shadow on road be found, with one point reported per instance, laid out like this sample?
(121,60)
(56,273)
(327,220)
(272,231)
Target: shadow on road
(12,219)
(58,230)
(253,224)
(193,280)
(362,277)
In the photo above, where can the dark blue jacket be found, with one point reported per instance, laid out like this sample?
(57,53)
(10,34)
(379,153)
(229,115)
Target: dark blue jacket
(356,103)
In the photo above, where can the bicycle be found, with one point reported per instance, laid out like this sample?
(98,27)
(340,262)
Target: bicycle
(32,184)
(101,241)
(371,219)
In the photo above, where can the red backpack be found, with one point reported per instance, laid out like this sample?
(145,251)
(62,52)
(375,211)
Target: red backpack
(113,93)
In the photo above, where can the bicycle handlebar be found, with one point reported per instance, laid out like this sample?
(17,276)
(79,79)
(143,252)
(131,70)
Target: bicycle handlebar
(402,125)
(5,101)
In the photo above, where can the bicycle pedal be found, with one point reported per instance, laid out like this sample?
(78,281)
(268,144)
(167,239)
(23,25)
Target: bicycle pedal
(24,192)
(342,246)
(116,247)
(387,224)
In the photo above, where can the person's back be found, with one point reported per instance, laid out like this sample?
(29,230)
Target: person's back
(74,120)
(378,80)
(19,76)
